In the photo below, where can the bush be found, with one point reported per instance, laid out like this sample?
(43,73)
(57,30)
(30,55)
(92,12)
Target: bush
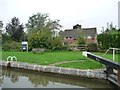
(107,40)
(81,41)
(12,46)
(92,47)
(72,47)
(55,43)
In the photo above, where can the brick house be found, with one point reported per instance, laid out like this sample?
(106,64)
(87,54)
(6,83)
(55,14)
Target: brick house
(71,35)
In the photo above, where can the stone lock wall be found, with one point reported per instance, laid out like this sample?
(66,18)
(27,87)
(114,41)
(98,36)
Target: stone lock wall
(98,74)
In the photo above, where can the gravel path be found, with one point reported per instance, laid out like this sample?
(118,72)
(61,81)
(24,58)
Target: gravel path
(65,62)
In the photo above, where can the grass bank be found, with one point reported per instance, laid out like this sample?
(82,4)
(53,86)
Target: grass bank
(58,56)
(39,58)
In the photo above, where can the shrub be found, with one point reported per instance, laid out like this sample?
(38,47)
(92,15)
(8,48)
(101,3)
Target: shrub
(81,41)
(107,40)
(92,47)
(72,47)
(55,43)
(12,46)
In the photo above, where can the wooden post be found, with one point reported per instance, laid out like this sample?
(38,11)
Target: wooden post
(119,76)
(8,64)
(109,71)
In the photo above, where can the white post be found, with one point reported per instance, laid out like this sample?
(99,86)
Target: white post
(27,47)
(113,54)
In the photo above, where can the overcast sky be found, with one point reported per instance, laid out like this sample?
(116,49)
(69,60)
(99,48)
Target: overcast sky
(88,13)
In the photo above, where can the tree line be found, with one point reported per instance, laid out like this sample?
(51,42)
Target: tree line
(40,33)
(109,38)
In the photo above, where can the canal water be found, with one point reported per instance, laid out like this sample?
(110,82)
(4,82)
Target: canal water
(20,78)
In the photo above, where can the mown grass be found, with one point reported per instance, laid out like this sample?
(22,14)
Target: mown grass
(109,56)
(58,56)
(86,64)
(91,64)
(39,58)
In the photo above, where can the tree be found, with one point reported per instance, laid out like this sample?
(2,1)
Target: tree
(14,29)
(55,43)
(110,28)
(109,38)
(81,39)
(40,30)
(1,26)
(40,21)
(39,39)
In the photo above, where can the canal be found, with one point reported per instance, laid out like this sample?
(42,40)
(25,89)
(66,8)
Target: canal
(20,78)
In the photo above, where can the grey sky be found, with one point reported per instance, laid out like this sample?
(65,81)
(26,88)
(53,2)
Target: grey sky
(88,13)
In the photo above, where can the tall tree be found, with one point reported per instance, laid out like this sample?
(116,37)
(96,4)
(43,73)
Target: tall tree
(41,29)
(1,26)
(14,29)
(40,21)
(109,38)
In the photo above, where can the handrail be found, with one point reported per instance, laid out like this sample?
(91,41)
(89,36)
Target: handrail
(12,58)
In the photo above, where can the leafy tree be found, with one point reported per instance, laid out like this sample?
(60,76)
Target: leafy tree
(110,28)
(44,39)
(5,38)
(10,45)
(1,25)
(92,47)
(39,39)
(81,39)
(55,43)
(14,29)
(40,30)
(109,38)
(40,21)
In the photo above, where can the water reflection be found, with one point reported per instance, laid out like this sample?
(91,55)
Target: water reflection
(17,77)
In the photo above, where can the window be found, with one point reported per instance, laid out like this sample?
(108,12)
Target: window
(89,37)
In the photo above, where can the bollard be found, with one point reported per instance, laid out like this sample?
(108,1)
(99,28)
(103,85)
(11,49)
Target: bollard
(8,64)
(9,60)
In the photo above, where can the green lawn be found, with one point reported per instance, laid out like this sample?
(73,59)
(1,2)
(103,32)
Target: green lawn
(58,56)
(86,64)
(90,64)
(109,56)
(50,57)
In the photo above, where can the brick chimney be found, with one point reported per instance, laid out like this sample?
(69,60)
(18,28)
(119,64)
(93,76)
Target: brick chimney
(77,26)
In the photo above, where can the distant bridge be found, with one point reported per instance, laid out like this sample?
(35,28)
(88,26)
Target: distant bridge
(112,68)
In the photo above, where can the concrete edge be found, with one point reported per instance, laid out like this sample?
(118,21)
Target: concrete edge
(96,74)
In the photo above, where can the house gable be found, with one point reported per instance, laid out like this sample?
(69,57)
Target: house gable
(90,34)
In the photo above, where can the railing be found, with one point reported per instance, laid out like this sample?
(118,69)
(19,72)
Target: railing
(11,59)
(110,66)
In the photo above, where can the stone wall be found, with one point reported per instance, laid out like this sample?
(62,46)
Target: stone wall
(97,74)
